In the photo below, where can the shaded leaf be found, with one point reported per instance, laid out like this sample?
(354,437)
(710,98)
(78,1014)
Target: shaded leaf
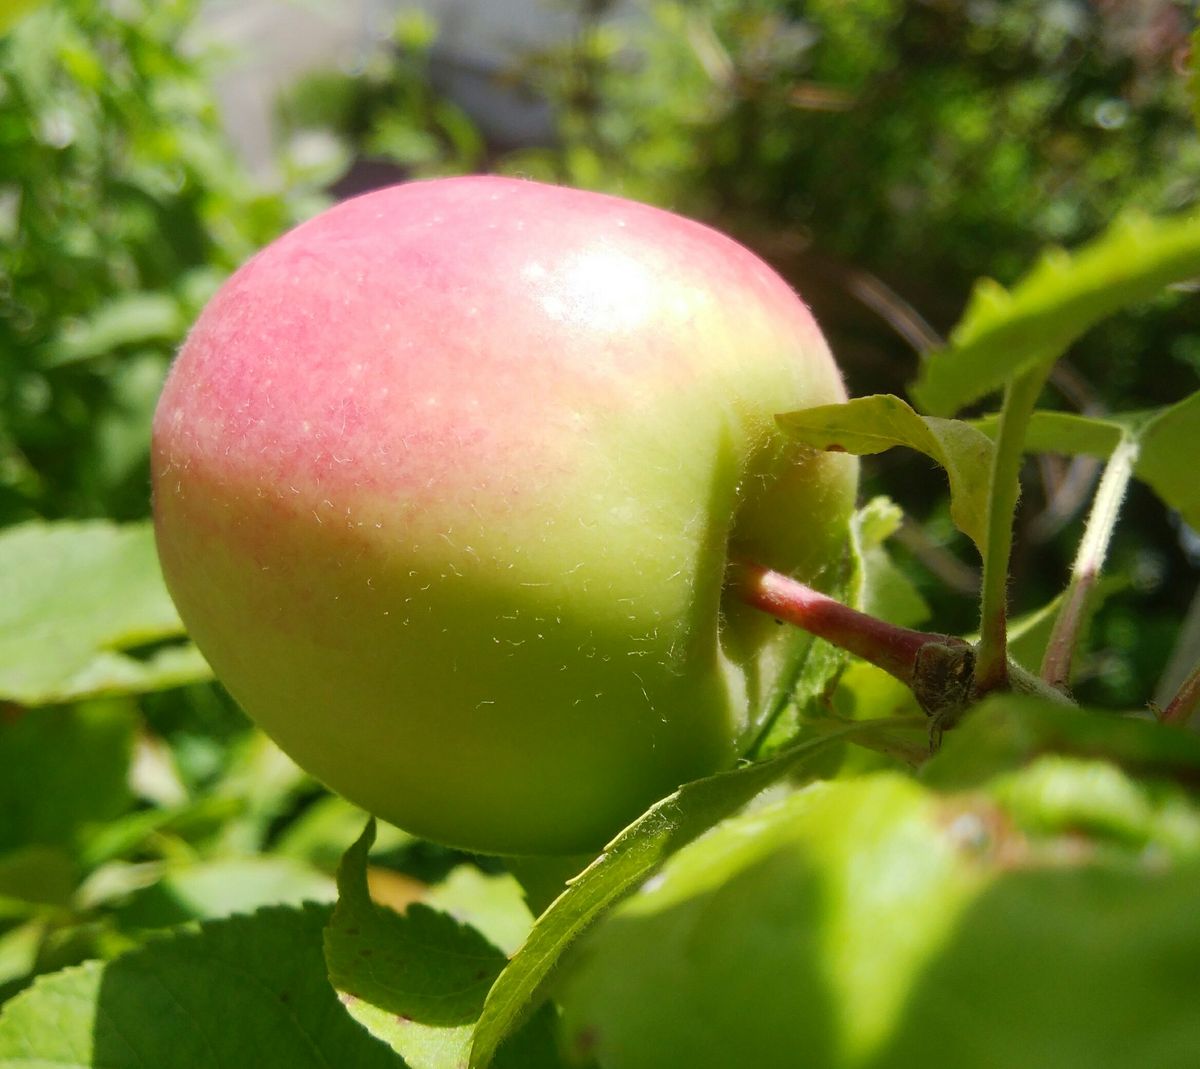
(63,769)
(36,875)
(875,424)
(416,980)
(1003,332)
(493,904)
(1005,731)
(244,991)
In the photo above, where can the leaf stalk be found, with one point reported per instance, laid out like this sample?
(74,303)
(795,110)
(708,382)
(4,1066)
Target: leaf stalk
(1089,560)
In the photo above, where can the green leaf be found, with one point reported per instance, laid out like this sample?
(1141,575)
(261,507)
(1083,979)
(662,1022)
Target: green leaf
(873,922)
(1168,443)
(1006,731)
(320,834)
(221,887)
(63,768)
(875,424)
(1004,332)
(416,980)
(494,904)
(73,597)
(628,860)
(244,991)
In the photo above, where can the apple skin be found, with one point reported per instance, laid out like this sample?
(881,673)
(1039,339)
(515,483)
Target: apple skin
(445,483)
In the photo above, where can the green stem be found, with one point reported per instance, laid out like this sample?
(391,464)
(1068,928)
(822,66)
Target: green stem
(991,664)
(1093,548)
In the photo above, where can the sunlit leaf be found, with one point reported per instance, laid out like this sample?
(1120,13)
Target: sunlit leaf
(1004,331)
(1168,445)
(74,598)
(874,922)
(13,10)
(874,424)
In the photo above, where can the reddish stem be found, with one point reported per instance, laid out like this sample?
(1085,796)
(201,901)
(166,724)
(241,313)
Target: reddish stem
(894,649)
(1185,702)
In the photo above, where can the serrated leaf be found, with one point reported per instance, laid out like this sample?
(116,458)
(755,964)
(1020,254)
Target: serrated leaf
(627,861)
(416,980)
(245,991)
(320,834)
(73,596)
(493,904)
(875,424)
(63,768)
(1168,443)
(1004,332)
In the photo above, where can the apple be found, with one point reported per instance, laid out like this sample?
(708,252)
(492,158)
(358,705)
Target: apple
(445,484)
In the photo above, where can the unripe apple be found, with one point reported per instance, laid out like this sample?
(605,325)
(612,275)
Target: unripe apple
(445,484)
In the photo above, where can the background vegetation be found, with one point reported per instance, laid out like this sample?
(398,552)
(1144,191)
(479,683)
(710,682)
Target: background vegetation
(882,154)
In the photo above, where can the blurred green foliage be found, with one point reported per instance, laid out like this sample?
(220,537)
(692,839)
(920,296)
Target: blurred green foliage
(121,209)
(882,153)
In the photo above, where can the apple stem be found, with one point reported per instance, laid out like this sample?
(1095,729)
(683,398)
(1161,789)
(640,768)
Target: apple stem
(936,668)
(940,670)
